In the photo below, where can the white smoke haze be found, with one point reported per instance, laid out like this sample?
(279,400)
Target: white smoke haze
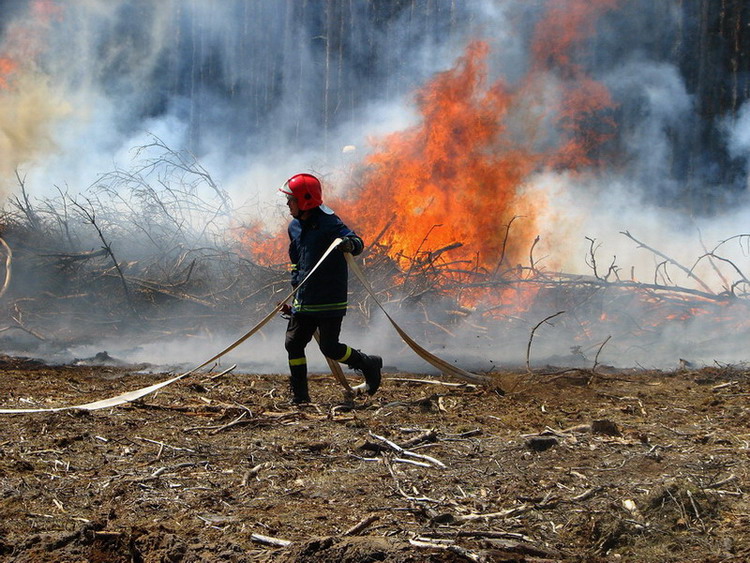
(657,92)
(244,87)
(738,134)
(25,131)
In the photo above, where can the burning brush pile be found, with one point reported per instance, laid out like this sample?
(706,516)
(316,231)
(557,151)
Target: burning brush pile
(147,255)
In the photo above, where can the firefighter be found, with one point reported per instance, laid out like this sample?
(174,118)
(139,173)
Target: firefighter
(321,302)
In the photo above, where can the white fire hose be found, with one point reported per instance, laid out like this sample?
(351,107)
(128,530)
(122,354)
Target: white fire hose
(439,363)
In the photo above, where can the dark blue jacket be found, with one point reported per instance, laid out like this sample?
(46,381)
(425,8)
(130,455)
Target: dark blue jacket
(325,293)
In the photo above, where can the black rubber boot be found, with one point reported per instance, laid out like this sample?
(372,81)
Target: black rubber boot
(298,382)
(370,367)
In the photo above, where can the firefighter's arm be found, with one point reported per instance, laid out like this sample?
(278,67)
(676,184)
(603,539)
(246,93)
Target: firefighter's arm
(294,264)
(352,244)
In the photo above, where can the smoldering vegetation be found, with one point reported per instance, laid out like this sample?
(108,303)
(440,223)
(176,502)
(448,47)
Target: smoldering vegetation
(155,254)
(147,251)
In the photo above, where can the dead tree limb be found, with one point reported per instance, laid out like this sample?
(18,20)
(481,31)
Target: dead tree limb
(531,338)
(76,256)
(187,163)
(505,245)
(361,525)
(599,351)
(715,268)
(8,261)
(156,288)
(268,540)
(531,254)
(435,254)
(743,278)
(385,228)
(574,279)
(24,329)
(596,360)
(687,271)
(91,217)
(402,451)
(25,207)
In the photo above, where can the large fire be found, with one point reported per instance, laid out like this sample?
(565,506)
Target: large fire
(457,179)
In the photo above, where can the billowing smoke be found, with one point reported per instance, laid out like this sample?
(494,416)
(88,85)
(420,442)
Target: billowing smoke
(253,88)
(259,90)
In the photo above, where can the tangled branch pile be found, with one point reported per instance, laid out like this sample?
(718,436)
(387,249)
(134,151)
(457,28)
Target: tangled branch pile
(155,251)
(148,250)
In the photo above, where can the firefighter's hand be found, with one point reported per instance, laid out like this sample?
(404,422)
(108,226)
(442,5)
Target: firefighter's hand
(347,245)
(286,311)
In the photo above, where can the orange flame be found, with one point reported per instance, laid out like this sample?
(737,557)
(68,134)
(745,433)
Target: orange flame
(7,66)
(582,111)
(24,39)
(459,175)
(46,10)
(456,180)
(567,23)
(266,249)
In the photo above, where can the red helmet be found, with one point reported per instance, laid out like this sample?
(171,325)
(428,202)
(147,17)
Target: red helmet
(305,188)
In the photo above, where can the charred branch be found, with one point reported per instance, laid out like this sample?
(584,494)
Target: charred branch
(8,262)
(504,246)
(23,204)
(687,271)
(107,247)
(531,337)
(182,164)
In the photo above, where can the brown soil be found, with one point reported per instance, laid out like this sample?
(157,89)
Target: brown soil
(624,466)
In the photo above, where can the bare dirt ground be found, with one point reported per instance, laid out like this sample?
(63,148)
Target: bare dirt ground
(624,466)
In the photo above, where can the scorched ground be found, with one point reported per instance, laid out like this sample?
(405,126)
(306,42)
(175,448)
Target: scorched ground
(569,466)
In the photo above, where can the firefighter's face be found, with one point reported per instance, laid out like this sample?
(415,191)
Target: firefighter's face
(291,203)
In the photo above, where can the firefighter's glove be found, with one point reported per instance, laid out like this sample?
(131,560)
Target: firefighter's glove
(286,311)
(347,245)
